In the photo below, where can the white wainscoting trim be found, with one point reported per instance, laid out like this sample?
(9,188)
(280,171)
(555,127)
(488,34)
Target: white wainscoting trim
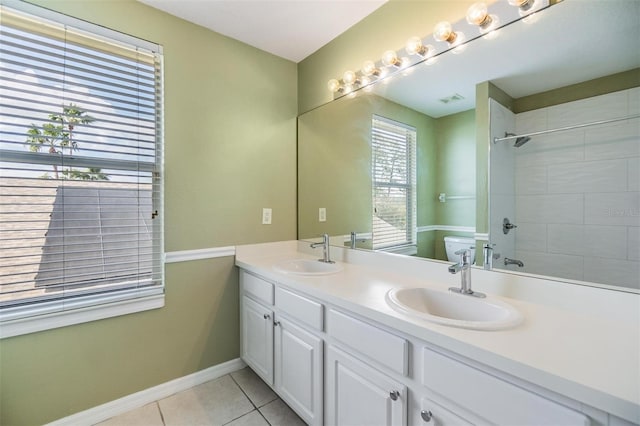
(207,253)
(448,228)
(481,236)
(136,400)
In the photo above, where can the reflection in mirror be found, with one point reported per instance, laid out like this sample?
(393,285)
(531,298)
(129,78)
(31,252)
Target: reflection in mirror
(564,201)
(335,161)
(542,75)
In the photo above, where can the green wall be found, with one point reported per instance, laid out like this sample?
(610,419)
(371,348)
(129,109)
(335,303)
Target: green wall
(456,174)
(230,134)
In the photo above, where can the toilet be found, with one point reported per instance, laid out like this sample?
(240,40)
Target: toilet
(453,244)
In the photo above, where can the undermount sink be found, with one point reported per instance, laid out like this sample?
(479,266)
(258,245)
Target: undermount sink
(307,267)
(454,309)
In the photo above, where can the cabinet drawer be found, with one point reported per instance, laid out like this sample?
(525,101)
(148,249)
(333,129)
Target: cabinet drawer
(389,350)
(491,398)
(257,287)
(439,415)
(299,307)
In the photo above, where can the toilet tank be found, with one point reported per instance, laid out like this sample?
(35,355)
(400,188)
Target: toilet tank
(453,244)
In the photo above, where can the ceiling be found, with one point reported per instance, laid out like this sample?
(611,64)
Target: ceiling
(291,29)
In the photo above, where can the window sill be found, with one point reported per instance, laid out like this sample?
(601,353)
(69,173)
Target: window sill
(408,250)
(33,324)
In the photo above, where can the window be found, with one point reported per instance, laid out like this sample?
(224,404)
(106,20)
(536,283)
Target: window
(80,167)
(394,185)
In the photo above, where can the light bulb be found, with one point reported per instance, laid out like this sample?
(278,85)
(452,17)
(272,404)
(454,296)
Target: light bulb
(415,47)
(369,68)
(390,59)
(333,85)
(478,14)
(349,77)
(524,5)
(444,32)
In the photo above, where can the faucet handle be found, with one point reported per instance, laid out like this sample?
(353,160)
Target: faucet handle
(465,256)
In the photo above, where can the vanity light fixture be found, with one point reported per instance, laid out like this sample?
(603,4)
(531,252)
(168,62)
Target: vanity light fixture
(392,63)
(415,47)
(334,85)
(369,69)
(444,32)
(350,78)
(390,59)
(478,14)
(524,5)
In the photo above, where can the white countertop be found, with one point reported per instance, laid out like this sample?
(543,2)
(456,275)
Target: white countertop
(583,343)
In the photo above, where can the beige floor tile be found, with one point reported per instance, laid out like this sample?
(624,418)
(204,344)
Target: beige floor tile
(149,415)
(213,403)
(254,418)
(258,391)
(278,413)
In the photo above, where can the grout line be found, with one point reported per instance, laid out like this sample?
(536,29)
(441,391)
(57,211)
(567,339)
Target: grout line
(265,419)
(242,390)
(157,402)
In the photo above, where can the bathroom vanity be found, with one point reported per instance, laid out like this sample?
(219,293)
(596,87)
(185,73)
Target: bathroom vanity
(332,347)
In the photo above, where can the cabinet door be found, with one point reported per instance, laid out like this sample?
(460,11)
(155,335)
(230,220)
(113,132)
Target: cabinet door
(257,338)
(298,370)
(358,394)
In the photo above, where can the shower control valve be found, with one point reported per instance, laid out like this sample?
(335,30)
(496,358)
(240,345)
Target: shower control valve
(507,225)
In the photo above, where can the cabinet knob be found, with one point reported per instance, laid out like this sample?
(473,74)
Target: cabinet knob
(276,323)
(266,316)
(394,395)
(426,415)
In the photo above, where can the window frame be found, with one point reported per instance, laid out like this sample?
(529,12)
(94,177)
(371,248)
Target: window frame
(46,314)
(409,244)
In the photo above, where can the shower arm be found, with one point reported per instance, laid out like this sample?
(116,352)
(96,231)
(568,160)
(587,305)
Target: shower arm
(577,126)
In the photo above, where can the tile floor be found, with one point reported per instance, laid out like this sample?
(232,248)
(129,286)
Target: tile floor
(237,399)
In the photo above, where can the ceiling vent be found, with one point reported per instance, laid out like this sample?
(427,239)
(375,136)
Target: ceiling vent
(452,98)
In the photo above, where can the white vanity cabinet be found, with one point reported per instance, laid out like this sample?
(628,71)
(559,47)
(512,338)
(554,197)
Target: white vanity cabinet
(337,367)
(360,360)
(280,341)
(256,345)
(358,394)
(256,322)
(486,398)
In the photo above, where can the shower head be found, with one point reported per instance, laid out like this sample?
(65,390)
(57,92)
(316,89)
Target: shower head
(519,140)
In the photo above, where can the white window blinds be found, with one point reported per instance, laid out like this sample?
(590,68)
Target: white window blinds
(394,184)
(80,165)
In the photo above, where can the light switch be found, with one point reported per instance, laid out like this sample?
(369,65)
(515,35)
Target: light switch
(322,214)
(266,216)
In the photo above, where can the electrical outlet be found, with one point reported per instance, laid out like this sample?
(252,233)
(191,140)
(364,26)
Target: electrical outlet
(322,214)
(266,216)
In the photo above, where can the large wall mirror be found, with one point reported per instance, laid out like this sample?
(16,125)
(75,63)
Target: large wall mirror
(428,154)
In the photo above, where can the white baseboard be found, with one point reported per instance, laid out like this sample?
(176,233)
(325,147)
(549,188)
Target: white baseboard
(136,400)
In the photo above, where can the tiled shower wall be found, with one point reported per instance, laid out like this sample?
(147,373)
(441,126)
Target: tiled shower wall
(578,191)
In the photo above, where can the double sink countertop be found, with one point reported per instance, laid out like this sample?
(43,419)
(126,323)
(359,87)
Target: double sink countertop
(578,341)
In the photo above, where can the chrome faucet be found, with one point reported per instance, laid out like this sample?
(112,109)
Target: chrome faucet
(464,267)
(489,256)
(355,239)
(508,261)
(325,249)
